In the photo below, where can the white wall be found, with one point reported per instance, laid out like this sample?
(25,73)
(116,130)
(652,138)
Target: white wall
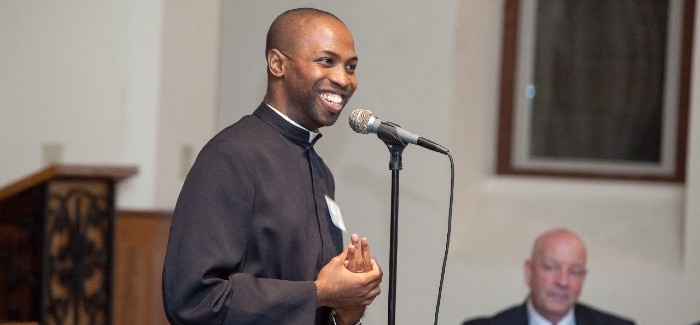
(124,82)
(189,91)
(136,82)
(63,70)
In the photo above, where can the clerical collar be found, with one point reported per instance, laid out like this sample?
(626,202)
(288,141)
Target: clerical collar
(312,135)
(534,318)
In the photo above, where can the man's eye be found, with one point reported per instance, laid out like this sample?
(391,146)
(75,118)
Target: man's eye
(350,68)
(325,61)
(549,267)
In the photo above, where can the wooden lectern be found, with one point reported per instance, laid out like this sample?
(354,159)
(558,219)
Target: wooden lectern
(56,245)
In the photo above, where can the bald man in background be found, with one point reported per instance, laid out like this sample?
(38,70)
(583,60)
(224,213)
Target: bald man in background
(555,273)
(256,237)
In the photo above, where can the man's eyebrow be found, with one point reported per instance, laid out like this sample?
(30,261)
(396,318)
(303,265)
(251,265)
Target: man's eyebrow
(331,53)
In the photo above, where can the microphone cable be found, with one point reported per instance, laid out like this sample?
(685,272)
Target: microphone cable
(449,231)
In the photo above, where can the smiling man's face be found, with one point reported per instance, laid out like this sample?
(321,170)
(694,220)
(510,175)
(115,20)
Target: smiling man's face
(555,273)
(320,75)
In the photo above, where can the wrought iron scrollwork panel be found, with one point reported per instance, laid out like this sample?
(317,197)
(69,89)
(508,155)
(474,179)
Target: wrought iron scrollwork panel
(78,236)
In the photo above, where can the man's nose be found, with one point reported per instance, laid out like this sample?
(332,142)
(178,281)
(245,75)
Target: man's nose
(562,278)
(341,77)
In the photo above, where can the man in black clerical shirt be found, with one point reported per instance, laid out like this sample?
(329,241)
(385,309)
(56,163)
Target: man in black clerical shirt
(256,236)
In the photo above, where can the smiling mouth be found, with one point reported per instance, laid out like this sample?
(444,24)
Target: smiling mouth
(558,296)
(335,101)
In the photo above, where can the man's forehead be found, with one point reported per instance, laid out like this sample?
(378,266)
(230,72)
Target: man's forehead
(329,39)
(323,27)
(565,260)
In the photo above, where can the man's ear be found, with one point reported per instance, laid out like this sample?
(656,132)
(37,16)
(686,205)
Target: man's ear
(275,62)
(528,272)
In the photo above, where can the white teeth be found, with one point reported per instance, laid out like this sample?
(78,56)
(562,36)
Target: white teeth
(332,98)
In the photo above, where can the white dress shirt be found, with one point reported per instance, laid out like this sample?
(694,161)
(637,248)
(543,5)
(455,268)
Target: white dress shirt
(534,318)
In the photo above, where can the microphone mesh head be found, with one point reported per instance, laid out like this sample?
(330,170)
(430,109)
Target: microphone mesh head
(359,120)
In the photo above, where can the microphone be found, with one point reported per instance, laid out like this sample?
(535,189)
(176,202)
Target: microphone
(363,121)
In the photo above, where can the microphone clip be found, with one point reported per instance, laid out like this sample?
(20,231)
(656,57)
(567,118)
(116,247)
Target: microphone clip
(387,133)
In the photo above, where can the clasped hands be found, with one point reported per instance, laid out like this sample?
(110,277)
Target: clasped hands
(350,281)
(358,259)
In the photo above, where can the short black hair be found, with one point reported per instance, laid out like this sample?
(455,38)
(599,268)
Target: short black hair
(284,26)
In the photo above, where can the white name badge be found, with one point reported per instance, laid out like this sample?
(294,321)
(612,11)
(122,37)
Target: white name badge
(334,210)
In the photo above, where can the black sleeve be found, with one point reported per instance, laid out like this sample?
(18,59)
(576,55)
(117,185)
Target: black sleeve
(202,282)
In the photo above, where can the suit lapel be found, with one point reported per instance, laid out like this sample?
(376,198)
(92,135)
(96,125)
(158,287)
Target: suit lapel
(582,316)
(523,319)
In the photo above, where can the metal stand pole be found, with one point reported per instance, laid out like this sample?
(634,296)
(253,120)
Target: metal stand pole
(396,147)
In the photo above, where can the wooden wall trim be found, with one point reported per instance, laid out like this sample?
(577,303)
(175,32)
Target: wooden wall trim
(141,238)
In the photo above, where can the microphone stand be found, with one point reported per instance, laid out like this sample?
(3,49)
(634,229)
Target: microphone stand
(396,146)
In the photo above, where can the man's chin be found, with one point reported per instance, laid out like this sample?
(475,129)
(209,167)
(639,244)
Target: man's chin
(330,119)
(558,308)
(330,123)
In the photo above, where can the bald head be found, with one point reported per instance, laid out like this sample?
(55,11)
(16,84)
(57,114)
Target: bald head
(287,27)
(557,237)
(555,273)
